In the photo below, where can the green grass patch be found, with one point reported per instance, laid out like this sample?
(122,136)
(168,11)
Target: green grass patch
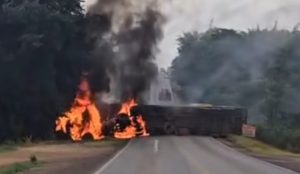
(7,148)
(19,167)
(259,147)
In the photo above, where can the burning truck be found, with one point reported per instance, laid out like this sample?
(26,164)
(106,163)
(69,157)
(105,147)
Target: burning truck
(84,118)
(130,119)
(124,37)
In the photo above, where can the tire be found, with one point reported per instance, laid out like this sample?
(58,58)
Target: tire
(170,129)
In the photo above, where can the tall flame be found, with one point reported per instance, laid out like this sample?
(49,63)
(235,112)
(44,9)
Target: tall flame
(83,117)
(131,130)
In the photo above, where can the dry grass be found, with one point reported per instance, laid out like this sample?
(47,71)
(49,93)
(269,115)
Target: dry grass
(56,151)
(18,167)
(256,146)
(7,148)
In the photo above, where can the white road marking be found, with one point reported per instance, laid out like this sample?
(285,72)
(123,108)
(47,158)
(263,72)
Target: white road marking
(101,169)
(156,145)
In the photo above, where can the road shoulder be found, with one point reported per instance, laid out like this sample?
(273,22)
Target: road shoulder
(64,157)
(263,152)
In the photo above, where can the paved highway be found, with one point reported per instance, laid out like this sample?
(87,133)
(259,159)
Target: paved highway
(184,155)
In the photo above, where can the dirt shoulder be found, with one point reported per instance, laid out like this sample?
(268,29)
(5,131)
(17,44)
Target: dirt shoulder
(67,158)
(260,150)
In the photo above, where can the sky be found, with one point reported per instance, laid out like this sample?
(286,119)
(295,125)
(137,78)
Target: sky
(190,15)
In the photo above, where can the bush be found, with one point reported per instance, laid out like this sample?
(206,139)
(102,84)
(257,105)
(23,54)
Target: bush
(33,159)
(284,138)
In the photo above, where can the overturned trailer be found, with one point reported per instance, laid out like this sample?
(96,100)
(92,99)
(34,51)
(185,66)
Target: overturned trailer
(171,120)
(181,120)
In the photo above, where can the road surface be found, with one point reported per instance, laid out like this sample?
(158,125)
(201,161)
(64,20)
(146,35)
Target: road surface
(184,155)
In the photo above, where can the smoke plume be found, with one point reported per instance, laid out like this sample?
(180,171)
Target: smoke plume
(189,15)
(126,33)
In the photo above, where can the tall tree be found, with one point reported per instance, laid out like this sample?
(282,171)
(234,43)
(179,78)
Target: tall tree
(276,81)
(42,54)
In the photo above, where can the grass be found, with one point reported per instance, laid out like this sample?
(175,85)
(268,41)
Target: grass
(7,148)
(19,167)
(12,146)
(256,146)
(33,161)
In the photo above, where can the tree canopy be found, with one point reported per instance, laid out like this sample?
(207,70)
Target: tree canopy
(256,69)
(42,54)
(253,69)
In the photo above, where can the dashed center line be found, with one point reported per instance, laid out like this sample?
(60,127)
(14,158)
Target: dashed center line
(156,145)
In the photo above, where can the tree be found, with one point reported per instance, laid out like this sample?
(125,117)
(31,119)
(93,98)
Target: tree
(198,67)
(254,69)
(276,79)
(42,55)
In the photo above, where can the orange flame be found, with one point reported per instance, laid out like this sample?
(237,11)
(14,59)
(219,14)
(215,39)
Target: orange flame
(125,109)
(131,131)
(142,122)
(82,124)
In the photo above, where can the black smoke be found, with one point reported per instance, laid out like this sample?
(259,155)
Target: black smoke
(126,35)
(100,52)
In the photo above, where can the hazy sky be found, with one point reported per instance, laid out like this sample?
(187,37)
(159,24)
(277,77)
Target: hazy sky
(189,15)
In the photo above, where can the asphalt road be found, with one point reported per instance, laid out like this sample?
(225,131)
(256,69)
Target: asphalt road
(184,155)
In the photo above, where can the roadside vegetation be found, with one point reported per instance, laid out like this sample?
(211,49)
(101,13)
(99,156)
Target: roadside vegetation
(7,148)
(283,137)
(26,157)
(17,168)
(21,166)
(257,69)
(40,64)
(258,147)
(13,146)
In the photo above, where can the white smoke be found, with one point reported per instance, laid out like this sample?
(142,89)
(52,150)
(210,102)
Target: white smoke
(87,3)
(188,15)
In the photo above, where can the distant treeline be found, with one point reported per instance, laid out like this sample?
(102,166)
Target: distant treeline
(257,69)
(42,55)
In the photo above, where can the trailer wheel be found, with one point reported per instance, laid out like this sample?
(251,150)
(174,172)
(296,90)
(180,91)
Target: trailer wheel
(170,129)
